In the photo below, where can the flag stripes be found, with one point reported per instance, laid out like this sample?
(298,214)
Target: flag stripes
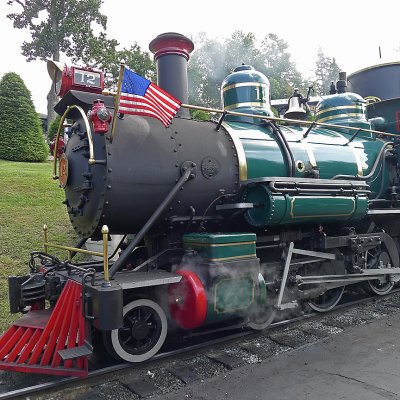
(141,97)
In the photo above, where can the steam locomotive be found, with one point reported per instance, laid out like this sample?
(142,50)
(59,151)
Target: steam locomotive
(227,222)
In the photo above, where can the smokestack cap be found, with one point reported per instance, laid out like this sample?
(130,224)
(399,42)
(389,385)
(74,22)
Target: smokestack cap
(171,43)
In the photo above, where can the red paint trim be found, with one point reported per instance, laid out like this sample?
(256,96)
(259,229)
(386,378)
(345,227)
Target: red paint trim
(191,309)
(171,43)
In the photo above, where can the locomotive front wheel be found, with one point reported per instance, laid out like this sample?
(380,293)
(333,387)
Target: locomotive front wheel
(143,333)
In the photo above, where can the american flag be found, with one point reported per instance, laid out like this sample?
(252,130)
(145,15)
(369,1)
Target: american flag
(139,96)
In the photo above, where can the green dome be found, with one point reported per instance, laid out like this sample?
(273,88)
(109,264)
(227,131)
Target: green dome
(246,90)
(347,109)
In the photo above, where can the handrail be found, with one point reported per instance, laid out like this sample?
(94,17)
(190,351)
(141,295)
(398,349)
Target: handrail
(104,230)
(92,160)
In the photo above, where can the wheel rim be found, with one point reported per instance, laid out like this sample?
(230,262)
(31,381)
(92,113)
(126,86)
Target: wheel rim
(374,257)
(143,333)
(327,301)
(261,322)
(380,288)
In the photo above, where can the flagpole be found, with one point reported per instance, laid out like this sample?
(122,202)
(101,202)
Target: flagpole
(117,97)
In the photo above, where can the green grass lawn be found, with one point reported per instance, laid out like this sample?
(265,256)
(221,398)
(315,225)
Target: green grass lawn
(29,198)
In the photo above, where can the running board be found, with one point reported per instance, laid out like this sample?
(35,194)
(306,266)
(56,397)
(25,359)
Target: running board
(37,341)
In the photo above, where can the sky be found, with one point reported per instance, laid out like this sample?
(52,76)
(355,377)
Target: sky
(351,31)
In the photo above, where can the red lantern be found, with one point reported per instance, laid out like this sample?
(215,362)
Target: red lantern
(60,147)
(100,117)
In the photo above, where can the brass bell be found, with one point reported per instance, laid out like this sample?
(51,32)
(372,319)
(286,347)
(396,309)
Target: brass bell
(296,109)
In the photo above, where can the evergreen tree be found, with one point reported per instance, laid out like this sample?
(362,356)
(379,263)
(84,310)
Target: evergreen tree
(54,128)
(21,137)
(326,71)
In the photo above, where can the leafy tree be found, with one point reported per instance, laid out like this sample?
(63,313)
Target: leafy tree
(21,137)
(134,58)
(59,26)
(200,115)
(206,72)
(213,60)
(280,70)
(326,71)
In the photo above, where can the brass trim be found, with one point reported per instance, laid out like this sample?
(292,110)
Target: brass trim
(246,104)
(45,240)
(233,257)
(319,215)
(105,231)
(116,100)
(92,160)
(233,309)
(288,120)
(239,151)
(74,249)
(351,107)
(244,84)
(341,116)
(372,99)
(219,244)
(300,166)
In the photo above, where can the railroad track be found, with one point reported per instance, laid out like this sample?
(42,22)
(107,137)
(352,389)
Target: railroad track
(278,333)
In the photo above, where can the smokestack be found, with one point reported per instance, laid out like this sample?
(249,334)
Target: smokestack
(171,52)
(341,84)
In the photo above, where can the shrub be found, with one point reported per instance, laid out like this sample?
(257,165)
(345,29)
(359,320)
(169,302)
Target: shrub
(54,128)
(200,115)
(21,136)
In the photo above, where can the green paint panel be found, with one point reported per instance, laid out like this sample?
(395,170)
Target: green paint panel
(264,158)
(221,246)
(330,149)
(233,294)
(275,209)
(254,94)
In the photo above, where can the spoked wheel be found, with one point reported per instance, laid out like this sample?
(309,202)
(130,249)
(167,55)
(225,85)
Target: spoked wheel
(326,301)
(143,333)
(330,298)
(263,312)
(262,318)
(374,258)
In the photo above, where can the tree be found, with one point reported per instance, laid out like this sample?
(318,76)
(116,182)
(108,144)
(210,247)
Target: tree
(59,26)
(326,71)
(53,129)
(206,72)
(21,137)
(213,60)
(134,58)
(280,70)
